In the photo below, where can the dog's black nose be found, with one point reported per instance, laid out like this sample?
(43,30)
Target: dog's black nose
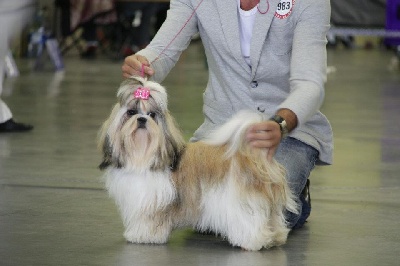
(142,120)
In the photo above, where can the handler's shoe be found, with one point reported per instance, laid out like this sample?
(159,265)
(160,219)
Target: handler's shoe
(12,126)
(306,207)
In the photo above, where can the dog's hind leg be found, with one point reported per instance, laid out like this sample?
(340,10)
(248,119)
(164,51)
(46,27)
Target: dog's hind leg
(279,228)
(251,235)
(260,232)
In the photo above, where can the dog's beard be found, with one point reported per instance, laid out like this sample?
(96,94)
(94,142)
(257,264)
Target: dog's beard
(140,142)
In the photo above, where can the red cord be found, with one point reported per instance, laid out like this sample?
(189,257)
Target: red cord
(262,11)
(176,35)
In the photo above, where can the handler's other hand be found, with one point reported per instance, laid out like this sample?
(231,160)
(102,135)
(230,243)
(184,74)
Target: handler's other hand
(265,135)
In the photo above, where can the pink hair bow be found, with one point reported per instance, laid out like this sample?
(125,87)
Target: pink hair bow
(142,93)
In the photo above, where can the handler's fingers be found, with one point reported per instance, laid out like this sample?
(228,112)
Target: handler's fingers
(259,135)
(260,127)
(263,144)
(136,65)
(264,135)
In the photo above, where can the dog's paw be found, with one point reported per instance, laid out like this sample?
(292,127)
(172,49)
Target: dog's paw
(280,236)
(146,238)
(251,247)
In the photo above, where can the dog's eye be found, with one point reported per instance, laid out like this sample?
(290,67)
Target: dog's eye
(152,114)
(131,112)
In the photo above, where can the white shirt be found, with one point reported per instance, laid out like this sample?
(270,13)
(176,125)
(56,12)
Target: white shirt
(246,22)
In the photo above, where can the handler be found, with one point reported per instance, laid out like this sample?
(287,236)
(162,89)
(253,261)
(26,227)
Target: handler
(268,56)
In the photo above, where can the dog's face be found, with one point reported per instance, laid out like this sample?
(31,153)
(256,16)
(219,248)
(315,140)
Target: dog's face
(140,133)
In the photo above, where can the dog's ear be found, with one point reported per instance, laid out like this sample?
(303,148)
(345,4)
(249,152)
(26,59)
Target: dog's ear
(104,143)
(107,154)
(108,159)
(175,155)
(175,142)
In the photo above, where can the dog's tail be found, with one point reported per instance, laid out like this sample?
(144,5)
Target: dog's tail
(232,133)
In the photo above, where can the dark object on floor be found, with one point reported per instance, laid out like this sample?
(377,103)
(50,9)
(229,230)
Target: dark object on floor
(12,126)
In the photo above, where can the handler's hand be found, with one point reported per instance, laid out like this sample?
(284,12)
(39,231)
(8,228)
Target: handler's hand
(265,135)
(133,66)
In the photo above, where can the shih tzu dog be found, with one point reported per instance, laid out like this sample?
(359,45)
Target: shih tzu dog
(160,183)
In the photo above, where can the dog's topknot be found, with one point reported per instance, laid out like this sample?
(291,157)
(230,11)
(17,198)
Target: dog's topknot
(130,85)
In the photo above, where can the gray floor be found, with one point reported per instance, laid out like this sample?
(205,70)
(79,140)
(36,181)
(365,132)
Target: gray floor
(53,210)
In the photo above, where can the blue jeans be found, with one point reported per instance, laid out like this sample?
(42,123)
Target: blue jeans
(299,159)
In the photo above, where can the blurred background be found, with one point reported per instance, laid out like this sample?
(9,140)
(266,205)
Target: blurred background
(118,28)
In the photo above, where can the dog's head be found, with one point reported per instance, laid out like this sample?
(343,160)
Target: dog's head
(140,133)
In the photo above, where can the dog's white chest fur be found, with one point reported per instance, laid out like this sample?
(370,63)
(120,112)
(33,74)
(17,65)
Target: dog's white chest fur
(144,200)
(140,192)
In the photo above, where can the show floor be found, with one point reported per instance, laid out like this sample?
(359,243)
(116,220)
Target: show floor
(54,210)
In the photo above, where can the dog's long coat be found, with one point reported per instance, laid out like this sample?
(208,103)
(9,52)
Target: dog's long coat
(220,184)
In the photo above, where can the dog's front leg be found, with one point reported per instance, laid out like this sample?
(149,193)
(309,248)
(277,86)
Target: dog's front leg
(145,203)
(153,229)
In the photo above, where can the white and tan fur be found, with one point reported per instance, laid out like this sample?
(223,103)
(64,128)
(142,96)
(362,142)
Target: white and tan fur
(160,183)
